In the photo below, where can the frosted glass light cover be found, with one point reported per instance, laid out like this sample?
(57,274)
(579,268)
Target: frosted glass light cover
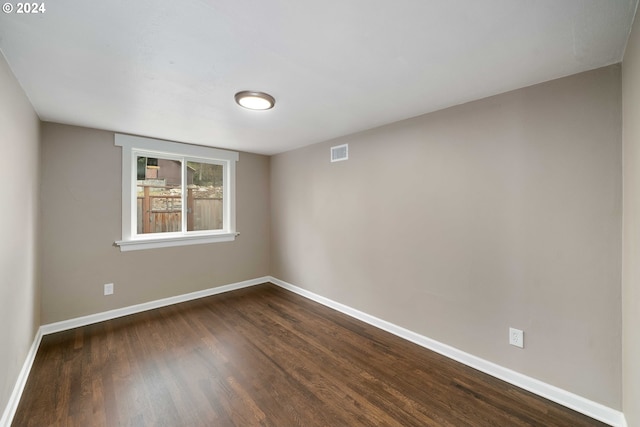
(255,100)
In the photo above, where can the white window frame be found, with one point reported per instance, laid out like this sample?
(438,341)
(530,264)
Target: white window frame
(134,146)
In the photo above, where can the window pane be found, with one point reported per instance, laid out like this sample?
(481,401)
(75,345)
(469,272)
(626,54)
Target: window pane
(159,189)
(204,196)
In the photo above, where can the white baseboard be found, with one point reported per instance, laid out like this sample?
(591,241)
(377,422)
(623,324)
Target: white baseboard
(573,401)
(138,308)
(555,394)
(16,394)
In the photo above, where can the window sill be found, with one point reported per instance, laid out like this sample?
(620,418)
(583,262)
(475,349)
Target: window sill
(166,242)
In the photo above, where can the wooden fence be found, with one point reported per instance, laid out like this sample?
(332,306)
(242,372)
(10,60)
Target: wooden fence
(163,213)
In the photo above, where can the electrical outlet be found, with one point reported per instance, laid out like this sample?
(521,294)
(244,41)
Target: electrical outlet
(516,337)
(108,289)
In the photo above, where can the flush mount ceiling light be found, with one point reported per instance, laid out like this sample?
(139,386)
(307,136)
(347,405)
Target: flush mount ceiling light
(255,100)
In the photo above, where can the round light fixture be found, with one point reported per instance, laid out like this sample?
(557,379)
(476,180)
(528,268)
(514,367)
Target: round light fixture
(255,100)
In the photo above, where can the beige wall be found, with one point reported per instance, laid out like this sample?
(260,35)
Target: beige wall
(81,202)
(631,228)
(19,169)
(460,223)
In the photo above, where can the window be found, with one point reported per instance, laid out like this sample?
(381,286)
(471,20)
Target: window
(175,194)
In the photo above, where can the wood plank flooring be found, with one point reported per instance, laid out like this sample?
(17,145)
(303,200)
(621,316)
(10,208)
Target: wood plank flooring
(262,356)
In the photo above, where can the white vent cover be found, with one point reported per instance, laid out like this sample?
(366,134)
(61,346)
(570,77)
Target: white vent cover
(339,153)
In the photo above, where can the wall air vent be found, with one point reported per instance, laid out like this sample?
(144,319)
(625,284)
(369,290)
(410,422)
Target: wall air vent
(339,153)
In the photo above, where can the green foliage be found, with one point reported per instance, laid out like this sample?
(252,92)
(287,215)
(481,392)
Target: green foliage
(206,174)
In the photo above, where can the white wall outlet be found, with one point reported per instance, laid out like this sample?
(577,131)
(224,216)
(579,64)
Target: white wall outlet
(108,289)
(516,337)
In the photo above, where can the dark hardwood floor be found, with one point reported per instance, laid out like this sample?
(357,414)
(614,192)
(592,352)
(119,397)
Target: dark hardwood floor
(262,356)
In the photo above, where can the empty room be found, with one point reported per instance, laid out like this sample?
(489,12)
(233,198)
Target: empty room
(360,213)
